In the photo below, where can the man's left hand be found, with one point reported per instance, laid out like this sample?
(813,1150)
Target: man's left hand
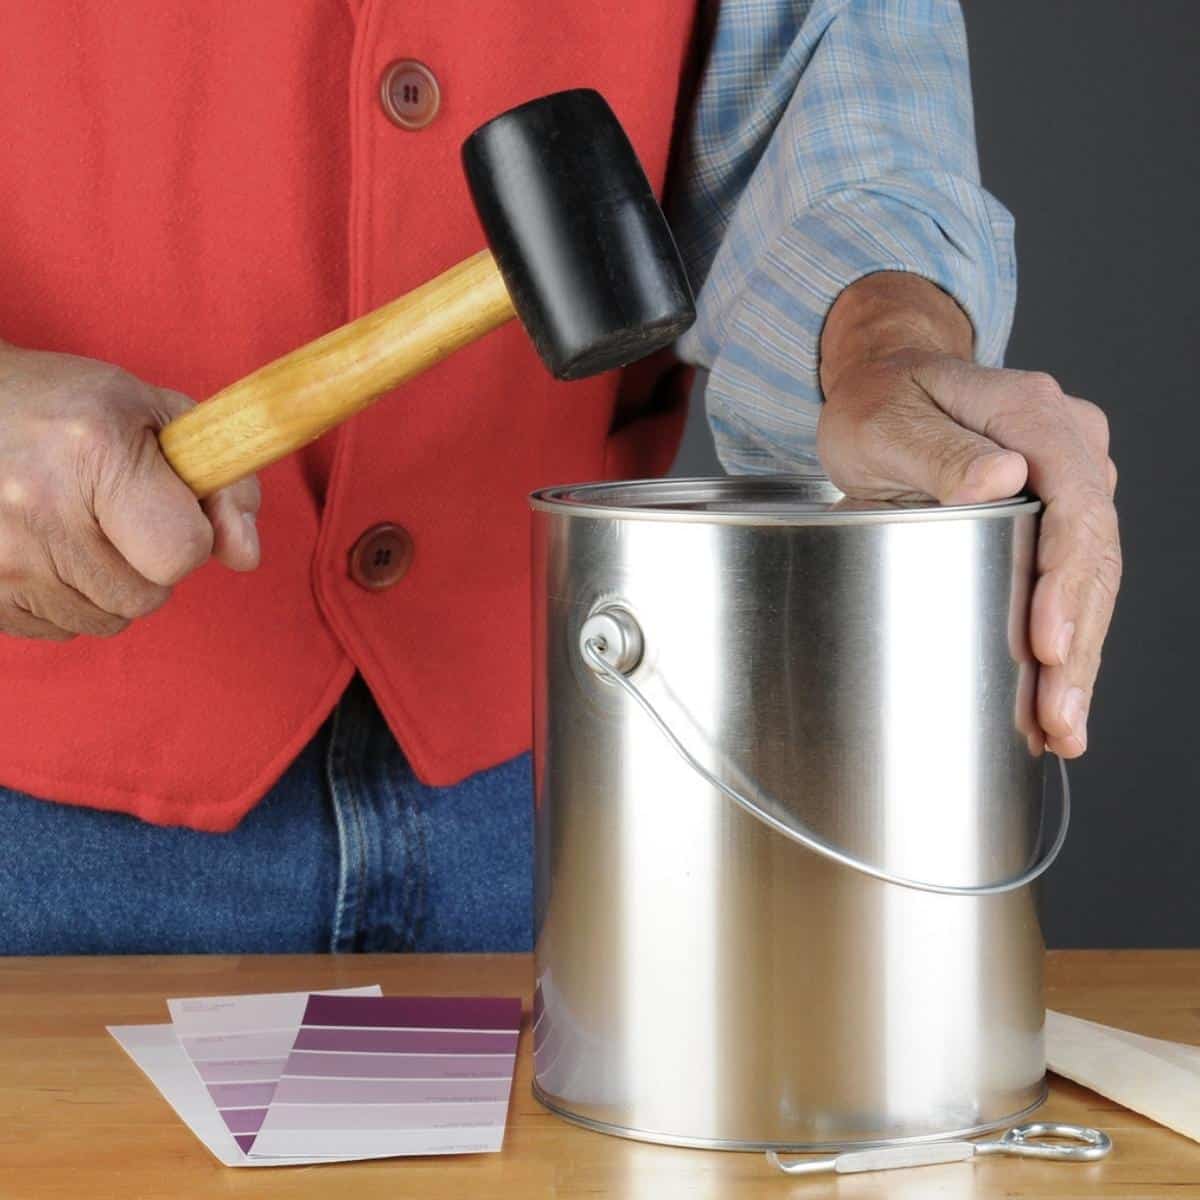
(906,412)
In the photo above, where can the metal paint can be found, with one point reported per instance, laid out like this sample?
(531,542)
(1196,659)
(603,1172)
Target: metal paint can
(787,814)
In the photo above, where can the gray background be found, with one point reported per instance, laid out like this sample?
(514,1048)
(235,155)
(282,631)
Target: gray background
(1087,115)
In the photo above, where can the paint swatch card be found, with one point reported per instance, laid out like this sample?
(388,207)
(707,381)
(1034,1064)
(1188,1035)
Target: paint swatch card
(385,1076)
(238,1046)
(306,1078)
(156,1050)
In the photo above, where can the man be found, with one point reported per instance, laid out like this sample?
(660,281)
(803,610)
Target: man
(190,190)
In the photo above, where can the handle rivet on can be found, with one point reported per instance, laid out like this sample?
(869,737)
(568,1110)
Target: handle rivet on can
(615,635)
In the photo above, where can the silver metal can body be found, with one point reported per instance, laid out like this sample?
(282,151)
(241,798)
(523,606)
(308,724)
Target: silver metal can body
(703,980)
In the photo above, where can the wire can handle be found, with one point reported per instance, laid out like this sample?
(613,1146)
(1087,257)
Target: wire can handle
(611,643)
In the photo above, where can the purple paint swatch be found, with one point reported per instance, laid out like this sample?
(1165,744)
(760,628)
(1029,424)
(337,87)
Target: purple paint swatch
(414,1012)
(388,1091)
(244,1120)
(308,1064)
(390,1075)
(241,1095)
(406,1041)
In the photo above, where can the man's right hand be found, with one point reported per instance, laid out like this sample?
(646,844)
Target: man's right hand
(95,527)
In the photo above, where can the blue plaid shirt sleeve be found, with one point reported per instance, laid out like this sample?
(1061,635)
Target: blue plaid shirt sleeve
(830,139)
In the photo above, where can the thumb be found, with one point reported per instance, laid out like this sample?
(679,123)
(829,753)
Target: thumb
(909,445)
(232,512)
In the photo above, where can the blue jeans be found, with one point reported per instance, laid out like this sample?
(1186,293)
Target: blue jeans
(349,851)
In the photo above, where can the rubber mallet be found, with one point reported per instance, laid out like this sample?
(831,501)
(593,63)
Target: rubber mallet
(580,251)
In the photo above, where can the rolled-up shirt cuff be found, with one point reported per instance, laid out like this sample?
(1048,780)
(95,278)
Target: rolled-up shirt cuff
(762,348)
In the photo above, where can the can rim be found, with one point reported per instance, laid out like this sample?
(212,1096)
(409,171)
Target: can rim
(602,500)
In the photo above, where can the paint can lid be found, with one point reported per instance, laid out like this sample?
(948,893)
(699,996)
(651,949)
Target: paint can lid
(755,500)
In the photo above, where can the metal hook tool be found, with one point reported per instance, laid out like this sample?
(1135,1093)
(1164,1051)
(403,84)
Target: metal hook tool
(1023,1141)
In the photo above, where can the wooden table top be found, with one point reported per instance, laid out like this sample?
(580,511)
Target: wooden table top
(77,1118)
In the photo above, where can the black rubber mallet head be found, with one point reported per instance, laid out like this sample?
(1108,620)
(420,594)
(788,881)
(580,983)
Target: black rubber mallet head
(577,233)
(580,251)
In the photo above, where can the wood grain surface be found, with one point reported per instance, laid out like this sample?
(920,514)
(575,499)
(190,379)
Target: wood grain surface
(77,1118)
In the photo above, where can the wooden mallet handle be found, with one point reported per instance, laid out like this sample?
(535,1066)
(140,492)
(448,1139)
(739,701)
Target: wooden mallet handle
(295,399)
